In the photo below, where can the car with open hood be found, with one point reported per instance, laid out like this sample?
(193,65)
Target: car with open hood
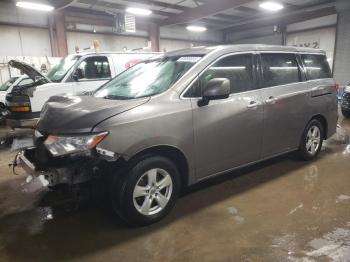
(76,73)
(181,118)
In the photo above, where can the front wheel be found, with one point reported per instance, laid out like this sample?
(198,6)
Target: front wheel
(312,140)
(346,114)
(5,142)
(146,193)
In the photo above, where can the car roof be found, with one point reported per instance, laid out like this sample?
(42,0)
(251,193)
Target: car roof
(203,50)
(91,52)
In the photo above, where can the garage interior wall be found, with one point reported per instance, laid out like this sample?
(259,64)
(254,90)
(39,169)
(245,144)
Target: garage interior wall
(107,42)
(342,55)
(24,41)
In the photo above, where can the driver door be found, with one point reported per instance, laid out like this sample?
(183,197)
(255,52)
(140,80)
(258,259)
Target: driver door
(228,132)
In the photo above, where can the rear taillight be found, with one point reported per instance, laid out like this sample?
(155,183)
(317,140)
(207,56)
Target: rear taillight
(337,88)
(18,103)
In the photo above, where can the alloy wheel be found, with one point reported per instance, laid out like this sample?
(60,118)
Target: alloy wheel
(152,191)
(313,140)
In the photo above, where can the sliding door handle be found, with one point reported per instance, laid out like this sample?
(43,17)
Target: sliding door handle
(271,100)
(253,104)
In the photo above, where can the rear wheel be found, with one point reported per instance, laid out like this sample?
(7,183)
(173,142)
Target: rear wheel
(146,193)
(346,113)
(312,140)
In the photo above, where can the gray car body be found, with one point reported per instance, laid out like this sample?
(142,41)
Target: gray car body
(221,136)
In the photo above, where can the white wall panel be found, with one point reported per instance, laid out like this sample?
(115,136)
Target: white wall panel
(24,41)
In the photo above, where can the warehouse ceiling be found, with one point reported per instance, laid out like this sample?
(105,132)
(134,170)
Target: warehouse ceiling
(225,15)
(219,14)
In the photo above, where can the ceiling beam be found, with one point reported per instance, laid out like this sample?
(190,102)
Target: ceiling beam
(284,18)
(160,4)
(210,8)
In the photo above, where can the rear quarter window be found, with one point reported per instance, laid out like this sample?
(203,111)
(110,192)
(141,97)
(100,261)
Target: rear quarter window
(316,66)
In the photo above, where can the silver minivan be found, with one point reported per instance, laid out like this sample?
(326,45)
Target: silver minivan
(186,116)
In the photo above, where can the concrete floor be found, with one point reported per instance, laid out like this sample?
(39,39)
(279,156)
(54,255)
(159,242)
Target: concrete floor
(282,210)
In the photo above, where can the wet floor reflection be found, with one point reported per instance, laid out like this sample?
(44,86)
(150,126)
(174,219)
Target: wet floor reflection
(280,210)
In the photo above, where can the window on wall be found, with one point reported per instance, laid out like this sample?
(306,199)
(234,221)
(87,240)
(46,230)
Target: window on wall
(94,68)
(237,68)
(279,69)
(317,66)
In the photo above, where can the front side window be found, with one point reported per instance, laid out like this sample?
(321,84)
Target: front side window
(236,68)
(279,69)
(96,67)
(147,78)
(8,83)
(316,66)
(59,71)
(25,81)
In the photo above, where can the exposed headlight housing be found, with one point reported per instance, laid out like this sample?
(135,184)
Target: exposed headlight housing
(64,145)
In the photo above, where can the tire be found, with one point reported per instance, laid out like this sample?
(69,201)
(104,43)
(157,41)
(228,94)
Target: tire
(311,141)
(5,142)
(346,114)
(147,192)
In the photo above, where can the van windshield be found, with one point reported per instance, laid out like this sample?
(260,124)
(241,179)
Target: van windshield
(58,72)
(8,83)
(146,79)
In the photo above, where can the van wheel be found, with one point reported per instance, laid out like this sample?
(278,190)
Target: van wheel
(5,142)
(146,193)
(312,140)
(346,114)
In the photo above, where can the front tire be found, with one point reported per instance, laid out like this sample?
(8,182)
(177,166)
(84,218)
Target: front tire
(147,192)
(311,141)
(5,142)
(346,114)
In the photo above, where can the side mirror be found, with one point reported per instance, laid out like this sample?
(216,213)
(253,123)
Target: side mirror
(217,88)
(78,74)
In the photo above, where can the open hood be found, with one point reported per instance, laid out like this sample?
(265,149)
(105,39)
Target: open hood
(30,71)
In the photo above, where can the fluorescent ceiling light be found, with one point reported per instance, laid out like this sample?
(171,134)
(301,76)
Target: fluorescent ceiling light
(271,6)
(138,11)
(196,28)
(35,6)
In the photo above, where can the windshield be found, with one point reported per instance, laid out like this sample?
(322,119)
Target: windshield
(57,73)
(147,79)
(8,83)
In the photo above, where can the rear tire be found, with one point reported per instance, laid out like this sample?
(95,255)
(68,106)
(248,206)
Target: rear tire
(346,114)
(311,141)
(147,192)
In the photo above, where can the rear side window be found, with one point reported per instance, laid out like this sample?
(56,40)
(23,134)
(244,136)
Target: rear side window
(316,66)
(280,69)
(237,68)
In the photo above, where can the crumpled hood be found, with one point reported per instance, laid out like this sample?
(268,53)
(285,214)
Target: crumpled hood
(79,114)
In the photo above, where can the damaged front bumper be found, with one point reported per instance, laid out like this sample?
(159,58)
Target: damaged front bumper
(53,176)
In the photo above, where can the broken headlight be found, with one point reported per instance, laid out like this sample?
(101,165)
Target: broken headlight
(63,145)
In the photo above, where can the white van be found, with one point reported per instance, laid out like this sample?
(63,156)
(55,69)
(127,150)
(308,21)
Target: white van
(77,73)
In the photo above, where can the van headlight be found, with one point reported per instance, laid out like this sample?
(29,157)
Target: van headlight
(63,145)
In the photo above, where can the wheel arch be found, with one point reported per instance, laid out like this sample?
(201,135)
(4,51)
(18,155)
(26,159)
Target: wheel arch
(324,123)
(170,152)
